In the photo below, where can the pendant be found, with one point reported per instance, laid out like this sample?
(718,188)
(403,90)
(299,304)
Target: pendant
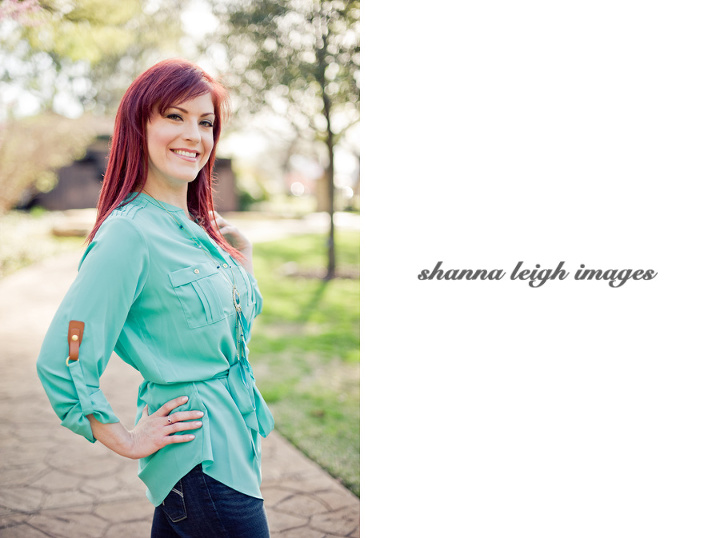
(236,299)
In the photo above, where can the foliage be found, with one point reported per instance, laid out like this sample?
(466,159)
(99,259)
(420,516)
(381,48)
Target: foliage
(82,30)
(306,350)
(300,59)
(289,54)
(81,50)
(156,33)
(32,149)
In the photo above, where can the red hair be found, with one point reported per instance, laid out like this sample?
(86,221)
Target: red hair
(166,84)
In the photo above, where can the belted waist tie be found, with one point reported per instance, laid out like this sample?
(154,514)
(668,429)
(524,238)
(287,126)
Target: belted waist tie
(161,470)
(252,406)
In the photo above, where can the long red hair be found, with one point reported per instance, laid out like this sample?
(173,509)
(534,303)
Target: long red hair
(167,83)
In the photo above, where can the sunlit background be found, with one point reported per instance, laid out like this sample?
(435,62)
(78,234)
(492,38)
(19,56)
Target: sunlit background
(288,166)
(74,59)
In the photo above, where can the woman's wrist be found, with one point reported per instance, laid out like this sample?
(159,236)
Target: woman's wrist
(114,436)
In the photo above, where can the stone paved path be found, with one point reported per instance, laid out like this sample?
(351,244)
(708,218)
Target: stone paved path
(54,483)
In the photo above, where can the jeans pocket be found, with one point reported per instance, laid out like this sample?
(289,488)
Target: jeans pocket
(174,504)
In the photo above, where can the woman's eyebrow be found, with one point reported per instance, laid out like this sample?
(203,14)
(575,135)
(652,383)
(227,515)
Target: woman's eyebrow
(186,112)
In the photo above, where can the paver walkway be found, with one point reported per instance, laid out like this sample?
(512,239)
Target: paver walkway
(55,483)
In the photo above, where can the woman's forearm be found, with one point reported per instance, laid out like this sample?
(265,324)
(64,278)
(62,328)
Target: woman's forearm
(247,262)
(236,239)
(113,435)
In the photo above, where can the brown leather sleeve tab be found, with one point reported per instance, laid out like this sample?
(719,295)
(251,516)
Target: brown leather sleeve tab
(75,334)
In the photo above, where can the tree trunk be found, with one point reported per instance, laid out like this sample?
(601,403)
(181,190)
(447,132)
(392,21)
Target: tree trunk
(331,194)
(322,64)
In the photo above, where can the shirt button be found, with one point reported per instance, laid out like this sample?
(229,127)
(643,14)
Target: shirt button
(225,264)
(196,271)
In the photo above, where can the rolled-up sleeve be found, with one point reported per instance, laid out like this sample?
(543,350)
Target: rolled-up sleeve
(111,276)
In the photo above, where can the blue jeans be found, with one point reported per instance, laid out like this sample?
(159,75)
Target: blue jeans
(199,506)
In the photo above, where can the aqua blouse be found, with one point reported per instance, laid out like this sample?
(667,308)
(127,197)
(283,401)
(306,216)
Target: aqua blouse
(147,291)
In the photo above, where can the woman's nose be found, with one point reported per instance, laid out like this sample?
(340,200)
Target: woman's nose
(192,131)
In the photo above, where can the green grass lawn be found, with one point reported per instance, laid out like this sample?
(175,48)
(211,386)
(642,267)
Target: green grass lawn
(305,350)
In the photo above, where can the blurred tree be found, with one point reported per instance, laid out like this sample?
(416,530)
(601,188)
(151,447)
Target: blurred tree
(33,148)
(156,33)
(300,59)
(81,51)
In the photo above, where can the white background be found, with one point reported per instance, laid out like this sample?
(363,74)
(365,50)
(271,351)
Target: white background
(584,132)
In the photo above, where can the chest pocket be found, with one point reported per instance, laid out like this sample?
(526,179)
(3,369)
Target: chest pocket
(203,294)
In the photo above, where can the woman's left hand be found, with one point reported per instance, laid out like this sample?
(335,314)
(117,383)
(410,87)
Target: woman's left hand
(231,233)
(235,237)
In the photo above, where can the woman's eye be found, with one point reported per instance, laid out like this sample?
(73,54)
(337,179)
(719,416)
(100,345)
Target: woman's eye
(173,117)
(206,123)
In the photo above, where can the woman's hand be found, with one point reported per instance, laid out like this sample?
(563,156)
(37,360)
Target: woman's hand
(151,433)
(236,238)
(230,232)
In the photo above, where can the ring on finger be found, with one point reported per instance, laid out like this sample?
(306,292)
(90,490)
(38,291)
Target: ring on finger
(169,420)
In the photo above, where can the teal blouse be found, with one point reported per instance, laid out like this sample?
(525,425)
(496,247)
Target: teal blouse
(147,291)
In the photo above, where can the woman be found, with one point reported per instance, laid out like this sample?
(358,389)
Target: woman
(162,286)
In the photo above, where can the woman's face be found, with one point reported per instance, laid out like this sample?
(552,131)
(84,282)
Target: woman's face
(179,143)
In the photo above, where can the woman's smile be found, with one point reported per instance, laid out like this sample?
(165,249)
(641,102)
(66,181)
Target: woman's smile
(186,154)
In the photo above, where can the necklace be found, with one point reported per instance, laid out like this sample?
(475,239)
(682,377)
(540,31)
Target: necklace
(239,333)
